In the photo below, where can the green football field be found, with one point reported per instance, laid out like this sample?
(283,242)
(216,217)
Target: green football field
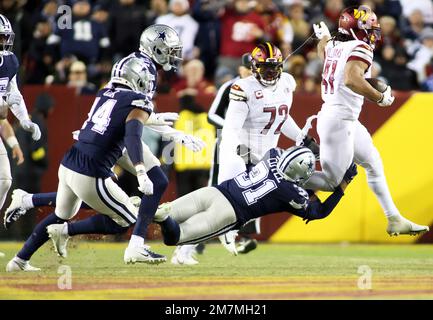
(95,270)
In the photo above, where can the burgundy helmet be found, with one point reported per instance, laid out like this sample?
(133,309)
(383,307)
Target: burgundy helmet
(360,23)
(267,63)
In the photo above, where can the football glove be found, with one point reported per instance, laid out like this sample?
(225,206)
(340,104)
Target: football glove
(387,98)
(145,185)
(310,143)
(321,30)
(189,141)
(31,127)
(163,118)
(350,173)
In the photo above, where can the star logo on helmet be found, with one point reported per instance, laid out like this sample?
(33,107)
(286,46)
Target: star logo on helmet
(310,165)
(161,35)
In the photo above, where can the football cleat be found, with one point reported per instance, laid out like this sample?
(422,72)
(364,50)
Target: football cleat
(16,209)
(162,212)
(228,240)
(17,264)
(136,201)
(399,225)
(142,255)
(59,238)
(246,245)
(184,257)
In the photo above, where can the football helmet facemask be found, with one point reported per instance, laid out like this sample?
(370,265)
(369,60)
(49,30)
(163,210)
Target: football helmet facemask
(267,63)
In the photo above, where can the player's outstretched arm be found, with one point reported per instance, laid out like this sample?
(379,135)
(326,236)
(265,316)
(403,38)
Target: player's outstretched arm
(133,130)
(318,210)
(322,33)
(8,135)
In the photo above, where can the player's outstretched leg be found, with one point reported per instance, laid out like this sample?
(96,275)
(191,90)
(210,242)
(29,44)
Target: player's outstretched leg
(137,251)
(39,236)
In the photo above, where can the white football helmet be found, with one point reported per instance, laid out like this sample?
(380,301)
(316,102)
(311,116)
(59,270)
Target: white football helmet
(296,164)
(132,72)
(163,45)
(7,35)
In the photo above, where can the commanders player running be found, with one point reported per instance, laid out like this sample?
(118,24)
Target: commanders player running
(347,63)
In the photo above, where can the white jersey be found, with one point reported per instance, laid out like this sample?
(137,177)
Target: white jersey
(339,99)
(268,109)
(187,29)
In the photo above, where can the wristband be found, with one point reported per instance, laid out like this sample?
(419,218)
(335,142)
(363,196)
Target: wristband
(12,142)
(140,169)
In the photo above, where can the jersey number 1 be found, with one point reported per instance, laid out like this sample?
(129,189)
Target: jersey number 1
(328,76)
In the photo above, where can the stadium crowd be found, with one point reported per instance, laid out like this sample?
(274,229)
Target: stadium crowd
(215,33)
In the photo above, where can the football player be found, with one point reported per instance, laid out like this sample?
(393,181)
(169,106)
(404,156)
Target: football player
(258,112)
(347,63)
(115,120)
(272,185)
(12,99)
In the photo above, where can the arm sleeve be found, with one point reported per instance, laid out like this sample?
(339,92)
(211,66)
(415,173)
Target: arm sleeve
(318,210)
(230,163)
(19,110)
(133,131)
(290,129)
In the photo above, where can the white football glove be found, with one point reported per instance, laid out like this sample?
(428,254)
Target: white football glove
(163,118)
(31,127)
(145,185)
(321,30)
(387,98)
(12,98)
(189,141)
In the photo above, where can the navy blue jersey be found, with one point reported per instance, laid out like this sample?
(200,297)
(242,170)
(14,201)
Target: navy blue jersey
(101,139)
(83,39)
(8,69)
(263,191)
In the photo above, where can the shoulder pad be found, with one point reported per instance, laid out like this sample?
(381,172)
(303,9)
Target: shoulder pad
(237,93)
(143,104)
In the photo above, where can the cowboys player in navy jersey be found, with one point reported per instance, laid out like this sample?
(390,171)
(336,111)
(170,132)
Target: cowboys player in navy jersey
(273,185)
(115,120)
(12,99)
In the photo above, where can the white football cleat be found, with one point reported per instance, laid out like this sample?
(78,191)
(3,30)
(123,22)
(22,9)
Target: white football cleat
(60,239)
(399,225)
(184,255)
(17,264)
(142,255)
(162,212)
(17,208)
(228,240)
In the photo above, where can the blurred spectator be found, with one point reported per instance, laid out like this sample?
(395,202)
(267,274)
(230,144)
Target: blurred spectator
(127,22)
(388,8)
(187,28)
(296,67)
(422,55)
(28,176)
(393,64)
(278,28)
(157,8)
(85,40)
(414,28)
(330,15)
(48,13)
(78,79)
(390,33)
(39,62)
(313,73)
(207,13)
(101,13)
(301,28)
(424,6)
(241,30)
(193,82)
